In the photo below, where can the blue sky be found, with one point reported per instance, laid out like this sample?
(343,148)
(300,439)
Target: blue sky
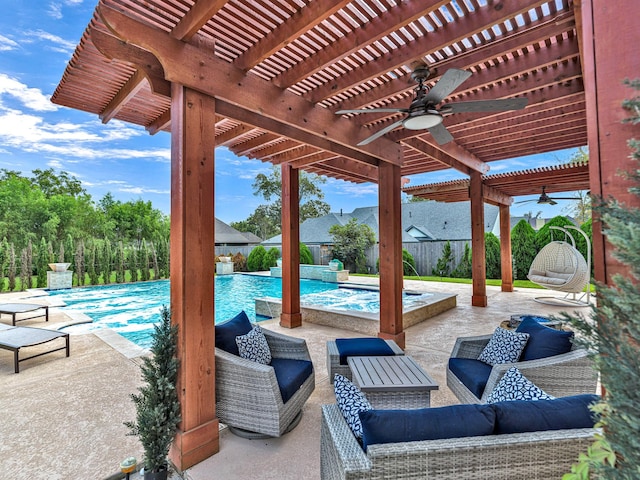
(37,39)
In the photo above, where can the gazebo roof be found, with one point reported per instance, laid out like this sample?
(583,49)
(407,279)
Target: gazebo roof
(279,71)
(499,187)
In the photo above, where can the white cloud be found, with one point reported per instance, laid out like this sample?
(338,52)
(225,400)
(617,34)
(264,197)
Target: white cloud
(142,190)
(56,164)
(7,44)
(56,43)
(353,189)
(32,98)
(55,10)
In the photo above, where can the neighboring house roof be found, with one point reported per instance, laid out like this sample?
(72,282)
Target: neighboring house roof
(227,235)
(421,221)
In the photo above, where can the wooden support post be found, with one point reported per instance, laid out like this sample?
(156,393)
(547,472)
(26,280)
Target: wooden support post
(603,74)
(390,251)
(478,261)
(506,260)
(192,272)
(291,316)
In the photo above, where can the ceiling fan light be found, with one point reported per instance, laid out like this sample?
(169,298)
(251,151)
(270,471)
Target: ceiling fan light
(422,122)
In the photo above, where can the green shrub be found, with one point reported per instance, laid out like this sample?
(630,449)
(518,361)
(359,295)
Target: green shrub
(270,258)
(464,268)
(256,258)
(408,263)
(546,234)
(523,249)
(443,266)
(306,258)
(492,255)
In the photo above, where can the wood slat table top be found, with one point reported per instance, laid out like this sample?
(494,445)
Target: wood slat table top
(389,374)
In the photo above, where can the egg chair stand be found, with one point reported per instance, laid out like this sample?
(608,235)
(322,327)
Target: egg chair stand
(561,267)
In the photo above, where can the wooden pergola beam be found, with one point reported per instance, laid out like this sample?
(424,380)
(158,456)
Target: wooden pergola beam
(501,46)
(192,65)
(126,93)
(299,23)
(199,14)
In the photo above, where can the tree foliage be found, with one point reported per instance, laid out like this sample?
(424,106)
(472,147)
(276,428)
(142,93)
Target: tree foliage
(523,249)
(613,330)
(265,221)
(306,258)
(546,234)
(408,263)
(492,255)
(350,244)
(443,265)
(464,268)
(255,259)
(51,212)
(157,404)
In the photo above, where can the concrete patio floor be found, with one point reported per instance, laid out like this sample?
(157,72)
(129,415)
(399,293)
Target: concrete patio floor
(63,417)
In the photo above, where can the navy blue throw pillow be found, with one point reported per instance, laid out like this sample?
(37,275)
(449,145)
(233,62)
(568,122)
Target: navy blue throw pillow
(227,332)
(543,341)
(393,426)
(561,413)
(361,347)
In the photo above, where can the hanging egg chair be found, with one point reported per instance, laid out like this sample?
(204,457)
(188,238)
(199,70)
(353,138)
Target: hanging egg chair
(560,266)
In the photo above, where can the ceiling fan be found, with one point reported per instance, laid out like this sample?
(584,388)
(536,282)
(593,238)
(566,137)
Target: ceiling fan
(423,112)
(547,200)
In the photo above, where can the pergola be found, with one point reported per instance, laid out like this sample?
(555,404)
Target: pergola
(265,78)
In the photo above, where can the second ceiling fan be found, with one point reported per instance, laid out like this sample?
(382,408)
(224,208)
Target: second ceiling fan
(423,112)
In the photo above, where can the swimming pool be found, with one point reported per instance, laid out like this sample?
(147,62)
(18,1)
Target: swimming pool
(130,309)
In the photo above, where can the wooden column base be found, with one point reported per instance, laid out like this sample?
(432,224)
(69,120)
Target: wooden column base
(507,287)
(196,445)
(479,301)
(399,338)
(290,320)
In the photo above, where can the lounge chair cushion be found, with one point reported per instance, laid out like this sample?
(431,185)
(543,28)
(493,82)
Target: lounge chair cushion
(227,332)
(543,341)
(515,386)
(393,426)
(472,373)
(505,346)
(361,347)
(290,374)
(253,346)
(557,414)
(351,402)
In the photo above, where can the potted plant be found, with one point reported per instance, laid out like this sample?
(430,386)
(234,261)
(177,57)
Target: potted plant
(157,405)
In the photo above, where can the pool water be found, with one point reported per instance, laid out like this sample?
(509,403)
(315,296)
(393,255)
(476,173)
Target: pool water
(357,299)
(131,309)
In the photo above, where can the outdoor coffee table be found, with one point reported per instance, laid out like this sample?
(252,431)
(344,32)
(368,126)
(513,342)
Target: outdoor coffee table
(14,308)
(392,382)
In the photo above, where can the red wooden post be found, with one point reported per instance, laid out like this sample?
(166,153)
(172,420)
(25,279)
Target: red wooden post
(291,316)
(506,260)
(478,261)
(192,272)
(390,251)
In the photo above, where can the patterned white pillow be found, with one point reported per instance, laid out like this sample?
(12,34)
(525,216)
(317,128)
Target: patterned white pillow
(515,386)
(351,402)
(505,346)
(253,346)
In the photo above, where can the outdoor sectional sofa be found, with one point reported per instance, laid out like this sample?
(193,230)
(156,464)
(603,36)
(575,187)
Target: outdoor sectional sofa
(550,360)
(539,454)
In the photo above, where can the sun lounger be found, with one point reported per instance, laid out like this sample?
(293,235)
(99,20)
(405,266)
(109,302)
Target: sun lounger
(14,308)
(15,338)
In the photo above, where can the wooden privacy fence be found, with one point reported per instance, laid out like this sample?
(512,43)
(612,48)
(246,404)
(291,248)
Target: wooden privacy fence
(425,254)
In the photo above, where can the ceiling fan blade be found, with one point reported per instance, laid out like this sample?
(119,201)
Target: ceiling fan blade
(373,110)
(380,133)
(496,105)
(440,134)
(451,80)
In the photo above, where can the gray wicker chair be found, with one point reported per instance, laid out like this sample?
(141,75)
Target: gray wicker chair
(247,395)
(541,455)
(571,373)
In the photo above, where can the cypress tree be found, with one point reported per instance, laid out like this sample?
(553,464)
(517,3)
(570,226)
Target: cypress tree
(492,255)
(144,261)
(120,263)
(24,272)
(156,266)
(134,262)
(523,249)
(12,268)
(464,268)
(443,265)
(43,264)
(80,263)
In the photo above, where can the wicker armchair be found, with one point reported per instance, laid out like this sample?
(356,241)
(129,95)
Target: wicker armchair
(247,394)
(571,373)
(541,455)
